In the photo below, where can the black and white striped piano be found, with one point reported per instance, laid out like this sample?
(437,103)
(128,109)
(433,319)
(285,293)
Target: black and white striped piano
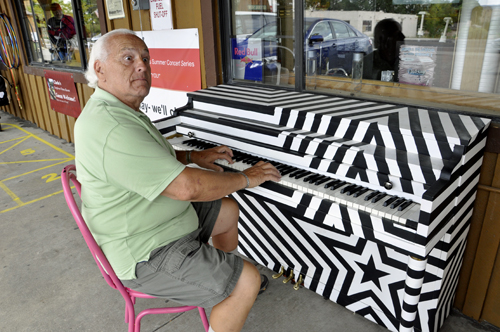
(375,201)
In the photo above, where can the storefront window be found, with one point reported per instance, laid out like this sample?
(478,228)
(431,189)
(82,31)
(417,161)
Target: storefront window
(55,34)
(443,53)
(261,40)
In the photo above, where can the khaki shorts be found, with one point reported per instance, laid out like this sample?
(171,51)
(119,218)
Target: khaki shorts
(189,271)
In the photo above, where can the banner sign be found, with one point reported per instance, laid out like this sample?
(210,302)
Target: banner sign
(161,14)
(62,93)
(175,70)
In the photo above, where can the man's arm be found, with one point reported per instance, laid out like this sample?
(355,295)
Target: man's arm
(194,184)
(68,28)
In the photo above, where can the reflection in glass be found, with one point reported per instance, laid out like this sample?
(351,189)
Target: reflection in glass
(413,49)
(262,42)
(53,32)
(447,46)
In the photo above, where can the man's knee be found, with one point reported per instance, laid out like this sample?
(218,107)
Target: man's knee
(249,281)
(230,208)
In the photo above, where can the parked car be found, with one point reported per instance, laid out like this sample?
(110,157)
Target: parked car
(246,23)
(329,45)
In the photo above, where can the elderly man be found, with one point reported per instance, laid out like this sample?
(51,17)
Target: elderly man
(152,215)
(61,29)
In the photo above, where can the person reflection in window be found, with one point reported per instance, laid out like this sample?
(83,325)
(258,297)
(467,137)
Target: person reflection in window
(388,37)
(61,29)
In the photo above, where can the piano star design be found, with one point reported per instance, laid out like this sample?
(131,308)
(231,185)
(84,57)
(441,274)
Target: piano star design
(375,201)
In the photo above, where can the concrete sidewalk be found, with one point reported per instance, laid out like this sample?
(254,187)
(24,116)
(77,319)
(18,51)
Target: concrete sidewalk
(49,281)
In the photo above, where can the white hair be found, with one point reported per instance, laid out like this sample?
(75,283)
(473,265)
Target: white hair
(100,51)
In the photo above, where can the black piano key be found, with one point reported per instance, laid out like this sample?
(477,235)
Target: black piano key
(296,172)
(306,179)
(360,192)
(288,167)
(317,178)
(373,194)
(404,205)
(390,200)
(397,203)
(322,180)
(293,169)
(345,189)
(353,190)
(280,167)
(338,185)
(248,160)
(301,175)
(331,183)
(313,178)
(378,197)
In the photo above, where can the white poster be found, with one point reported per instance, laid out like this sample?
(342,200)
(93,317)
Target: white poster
(175,70)
(161,14)
(115,9)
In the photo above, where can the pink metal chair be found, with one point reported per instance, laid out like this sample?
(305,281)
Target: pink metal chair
(134,323)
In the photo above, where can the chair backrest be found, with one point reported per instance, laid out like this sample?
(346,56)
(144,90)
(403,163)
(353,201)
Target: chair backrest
(68,176)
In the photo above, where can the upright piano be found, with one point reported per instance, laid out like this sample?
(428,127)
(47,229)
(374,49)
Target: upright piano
(375,201)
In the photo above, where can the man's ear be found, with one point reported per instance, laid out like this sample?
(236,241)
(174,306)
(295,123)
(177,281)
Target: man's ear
(99,69)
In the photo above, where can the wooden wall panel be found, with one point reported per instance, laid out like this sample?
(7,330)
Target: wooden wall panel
(491,311)
(44,122)
(486,178)
(478,292)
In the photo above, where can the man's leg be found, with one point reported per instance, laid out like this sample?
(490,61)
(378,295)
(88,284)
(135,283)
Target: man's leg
(225,231)
(230,314)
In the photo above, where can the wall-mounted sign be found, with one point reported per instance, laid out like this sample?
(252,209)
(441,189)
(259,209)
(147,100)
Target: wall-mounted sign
(175,69)
(62,93)
(115,9)
(161,14)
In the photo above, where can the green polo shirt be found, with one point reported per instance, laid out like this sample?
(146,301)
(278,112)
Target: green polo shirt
(123,164)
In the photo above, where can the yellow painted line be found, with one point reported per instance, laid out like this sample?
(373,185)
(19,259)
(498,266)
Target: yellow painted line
(33,201)
(10,147)
(11,140)
(43,141)
(32,161)
(14,197)
(39,169)
(9,192)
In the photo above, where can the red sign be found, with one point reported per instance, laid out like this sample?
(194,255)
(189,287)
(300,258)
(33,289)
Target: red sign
(175,69)
(62,93)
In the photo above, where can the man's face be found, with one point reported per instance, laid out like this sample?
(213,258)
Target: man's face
(126,73)
(57,14)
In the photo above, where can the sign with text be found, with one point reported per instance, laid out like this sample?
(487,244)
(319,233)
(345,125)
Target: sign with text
(247,58)
(161,14)
(175,70)
(62,93)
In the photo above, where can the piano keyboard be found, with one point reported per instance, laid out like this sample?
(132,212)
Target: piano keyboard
(358,197)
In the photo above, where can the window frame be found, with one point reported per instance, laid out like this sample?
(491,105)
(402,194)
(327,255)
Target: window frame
(38,69)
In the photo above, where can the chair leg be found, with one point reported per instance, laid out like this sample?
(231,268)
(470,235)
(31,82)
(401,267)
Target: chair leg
(204,318)
(130,317)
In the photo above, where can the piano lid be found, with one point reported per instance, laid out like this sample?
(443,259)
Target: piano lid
(433,132)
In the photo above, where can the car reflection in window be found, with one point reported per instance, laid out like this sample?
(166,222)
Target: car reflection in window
(328,49)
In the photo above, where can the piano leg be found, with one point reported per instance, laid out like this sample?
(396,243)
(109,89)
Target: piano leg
(413,287)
